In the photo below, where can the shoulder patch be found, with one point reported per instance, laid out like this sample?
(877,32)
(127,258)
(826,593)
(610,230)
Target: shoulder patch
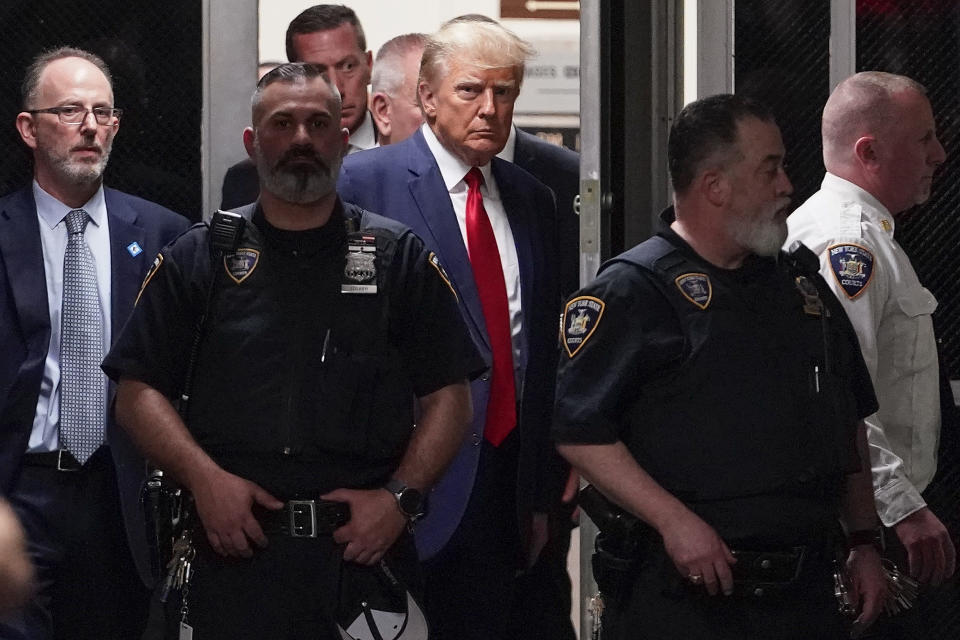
(435,263)
(150,272)
(852,266)
(241,263)
(696,287)
(580,319)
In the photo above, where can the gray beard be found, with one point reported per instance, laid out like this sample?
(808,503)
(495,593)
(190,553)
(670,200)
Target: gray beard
(78,173)
(299,186)
(762,238)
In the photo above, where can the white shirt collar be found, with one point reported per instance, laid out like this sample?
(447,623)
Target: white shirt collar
(509,149)
(364,137)
(452,168)
(52,211)
(846,190)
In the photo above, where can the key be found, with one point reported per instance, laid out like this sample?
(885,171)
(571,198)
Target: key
(596,615)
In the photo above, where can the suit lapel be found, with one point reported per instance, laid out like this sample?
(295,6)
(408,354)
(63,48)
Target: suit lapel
(445,237)
(523,225)
(127,270)
(23,257)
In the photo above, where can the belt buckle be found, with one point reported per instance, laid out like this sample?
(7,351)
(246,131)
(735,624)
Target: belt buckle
(303,518)
(73,465)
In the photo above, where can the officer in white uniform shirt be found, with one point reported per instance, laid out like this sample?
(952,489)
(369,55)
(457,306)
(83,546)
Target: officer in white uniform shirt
(880,150)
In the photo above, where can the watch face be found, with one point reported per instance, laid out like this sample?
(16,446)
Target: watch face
(411,502)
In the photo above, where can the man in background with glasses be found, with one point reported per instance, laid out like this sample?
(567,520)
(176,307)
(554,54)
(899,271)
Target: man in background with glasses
(72,255)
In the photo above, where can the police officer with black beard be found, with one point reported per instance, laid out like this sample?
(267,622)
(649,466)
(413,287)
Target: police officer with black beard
(713,387)
(323,323)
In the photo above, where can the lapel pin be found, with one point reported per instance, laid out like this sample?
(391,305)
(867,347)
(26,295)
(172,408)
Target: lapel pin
(134,249)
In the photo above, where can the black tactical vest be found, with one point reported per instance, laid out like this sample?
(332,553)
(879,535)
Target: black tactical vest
(297,379)
(756,407)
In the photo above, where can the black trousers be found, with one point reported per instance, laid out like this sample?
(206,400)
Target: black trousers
(286,591)
(663,606)
(88,585)
(471,584)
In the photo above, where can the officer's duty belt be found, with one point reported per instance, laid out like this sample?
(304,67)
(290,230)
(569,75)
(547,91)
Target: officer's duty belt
(305,518)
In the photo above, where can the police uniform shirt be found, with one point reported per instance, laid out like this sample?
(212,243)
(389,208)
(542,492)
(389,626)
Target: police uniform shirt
(852,233)
(623,340)
(276,367)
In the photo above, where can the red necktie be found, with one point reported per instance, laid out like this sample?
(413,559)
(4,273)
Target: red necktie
(488,275)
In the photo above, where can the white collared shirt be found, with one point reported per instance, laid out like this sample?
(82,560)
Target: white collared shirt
(510,149)
(364,137)
(891,313)
(453,170)
(53,240)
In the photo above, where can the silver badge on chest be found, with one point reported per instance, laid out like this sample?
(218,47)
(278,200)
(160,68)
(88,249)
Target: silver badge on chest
(360,271)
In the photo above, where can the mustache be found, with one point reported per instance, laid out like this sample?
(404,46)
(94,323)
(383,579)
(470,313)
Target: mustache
(302,153)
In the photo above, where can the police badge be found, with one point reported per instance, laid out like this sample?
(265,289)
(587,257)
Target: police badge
(696,287)
(852,266)
(241,263)
(150,273)
(360,271)
(580,319)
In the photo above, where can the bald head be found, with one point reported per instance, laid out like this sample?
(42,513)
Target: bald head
(864,104)
(879,133)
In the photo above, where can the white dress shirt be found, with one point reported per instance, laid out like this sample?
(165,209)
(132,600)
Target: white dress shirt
(891,312)
(364,137)
(53,240)
(453,170)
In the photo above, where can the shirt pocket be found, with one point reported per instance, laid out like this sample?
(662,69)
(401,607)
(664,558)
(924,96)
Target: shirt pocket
(915,348)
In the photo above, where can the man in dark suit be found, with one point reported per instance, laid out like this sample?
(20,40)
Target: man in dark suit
(329,35)
(72,256)
(490,224)
(543,601)
(558,168)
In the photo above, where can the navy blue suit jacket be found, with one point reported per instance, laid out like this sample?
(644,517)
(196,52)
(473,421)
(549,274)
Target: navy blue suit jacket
(25,329)
(402,181)
(558,168)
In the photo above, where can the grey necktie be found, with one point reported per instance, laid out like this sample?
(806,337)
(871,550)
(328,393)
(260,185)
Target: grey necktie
(82,383)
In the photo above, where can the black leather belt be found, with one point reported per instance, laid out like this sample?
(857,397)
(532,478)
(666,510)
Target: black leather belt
(61,460)
(305,518)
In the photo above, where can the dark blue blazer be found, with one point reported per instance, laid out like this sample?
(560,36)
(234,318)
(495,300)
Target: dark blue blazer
(402,181)
(25,329)
(558,168)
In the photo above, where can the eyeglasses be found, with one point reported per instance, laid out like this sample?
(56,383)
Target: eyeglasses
(75,114)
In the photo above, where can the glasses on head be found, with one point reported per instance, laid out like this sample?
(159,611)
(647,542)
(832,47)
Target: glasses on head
(75,114)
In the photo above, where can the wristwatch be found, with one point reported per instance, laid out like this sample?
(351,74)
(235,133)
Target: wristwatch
(409,500)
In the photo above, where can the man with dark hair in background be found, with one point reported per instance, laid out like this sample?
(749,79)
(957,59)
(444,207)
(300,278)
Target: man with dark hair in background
(72,254)
(329,35)
(712,387)
(393,103)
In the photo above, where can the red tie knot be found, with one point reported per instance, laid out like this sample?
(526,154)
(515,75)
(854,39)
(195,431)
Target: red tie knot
(473,178)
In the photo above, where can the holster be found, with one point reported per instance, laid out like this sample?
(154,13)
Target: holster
(167,509)
(613,572)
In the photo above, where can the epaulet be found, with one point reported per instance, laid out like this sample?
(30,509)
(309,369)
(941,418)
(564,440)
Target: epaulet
(849,219)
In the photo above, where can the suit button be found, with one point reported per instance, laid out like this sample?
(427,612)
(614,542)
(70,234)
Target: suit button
(476,439)
(485,377)
(765,564)
(758,592)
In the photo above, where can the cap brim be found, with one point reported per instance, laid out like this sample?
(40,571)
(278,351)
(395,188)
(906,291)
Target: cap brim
(414,626)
